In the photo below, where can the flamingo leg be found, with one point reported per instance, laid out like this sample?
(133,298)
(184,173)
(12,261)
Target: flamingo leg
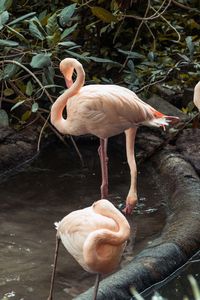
(104,167)
(131,199)
(54,268)
(96,286)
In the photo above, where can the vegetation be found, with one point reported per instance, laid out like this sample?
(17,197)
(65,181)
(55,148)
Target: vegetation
(137,44)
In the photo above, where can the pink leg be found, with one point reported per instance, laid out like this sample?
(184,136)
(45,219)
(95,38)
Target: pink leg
(104,167)
(131,199)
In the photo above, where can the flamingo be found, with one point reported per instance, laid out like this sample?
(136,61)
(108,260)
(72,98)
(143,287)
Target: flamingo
(104,111)
(196,98)
(95,236)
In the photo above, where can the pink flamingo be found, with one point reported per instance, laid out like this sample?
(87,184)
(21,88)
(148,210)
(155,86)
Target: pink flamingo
(95,236)
(104,111)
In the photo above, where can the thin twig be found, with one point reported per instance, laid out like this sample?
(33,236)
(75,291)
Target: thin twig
(156,15)
(178,34)
(184,6)
(7,61)
(41,132)
(136,35)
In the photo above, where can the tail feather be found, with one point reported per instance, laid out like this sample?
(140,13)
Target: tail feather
(161,120)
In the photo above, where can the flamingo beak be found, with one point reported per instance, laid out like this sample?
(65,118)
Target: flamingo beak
(128,209)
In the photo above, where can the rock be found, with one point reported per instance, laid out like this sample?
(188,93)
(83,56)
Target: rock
(188,143)
(166,108)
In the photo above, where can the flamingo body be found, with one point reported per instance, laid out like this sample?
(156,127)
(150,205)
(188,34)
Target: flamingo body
(104,111)
(95,236)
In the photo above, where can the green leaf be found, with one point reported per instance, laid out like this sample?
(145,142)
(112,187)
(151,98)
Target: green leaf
(26,116)
(5,4)
(22,18)
(67,44)
(68,31)
(10,70)
(79,56)
(52,25)
(190,45)
(4,17)
(35,107)
(4,120)
(17,104)
(8,43)
(8,92)
(41,60)
(103,14)
(101,60)
(29,88)
(17,34)
(36,29)
(53,40)
(66,14)
(132,54)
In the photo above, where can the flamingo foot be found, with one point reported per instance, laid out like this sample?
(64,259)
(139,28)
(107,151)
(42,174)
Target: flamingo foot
(128,210)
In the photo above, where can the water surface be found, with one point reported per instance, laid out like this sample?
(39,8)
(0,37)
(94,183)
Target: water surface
(53,186)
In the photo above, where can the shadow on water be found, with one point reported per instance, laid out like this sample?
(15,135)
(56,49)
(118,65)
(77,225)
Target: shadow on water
(53,186)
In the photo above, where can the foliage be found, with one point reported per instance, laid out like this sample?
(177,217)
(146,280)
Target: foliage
(135,45)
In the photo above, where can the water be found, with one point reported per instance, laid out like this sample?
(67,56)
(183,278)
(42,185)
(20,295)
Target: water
(53,186)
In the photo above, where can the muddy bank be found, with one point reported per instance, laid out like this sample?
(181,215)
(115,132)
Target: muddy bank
(179,240)
(16,147)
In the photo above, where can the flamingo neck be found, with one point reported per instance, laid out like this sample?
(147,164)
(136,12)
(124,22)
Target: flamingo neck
(196,98)
(57,108)
(97,252)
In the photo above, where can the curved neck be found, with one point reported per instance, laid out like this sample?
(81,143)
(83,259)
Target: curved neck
(57,108)
(196,98)
(102,237)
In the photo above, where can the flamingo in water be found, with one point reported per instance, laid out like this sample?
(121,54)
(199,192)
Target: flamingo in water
(104,111)
(95,236)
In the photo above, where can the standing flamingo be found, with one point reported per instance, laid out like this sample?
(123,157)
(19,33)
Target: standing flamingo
(104,111)
(95,236)
(196,98)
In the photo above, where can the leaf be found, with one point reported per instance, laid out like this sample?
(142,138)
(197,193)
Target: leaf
(8,92)
(36,29)
(10,70)
(22,18)
(66,14)
(29,88)
(17,34)
(103,14)
(132,54)
(41,60)
(52,25)
(17,104)
(26,115)
(8,43)
(190,45)
(4,120)
(67,44)
(79,56)
(53,40)
(5,4)
(102,60)
(67,31)
(4,17)
(35,107)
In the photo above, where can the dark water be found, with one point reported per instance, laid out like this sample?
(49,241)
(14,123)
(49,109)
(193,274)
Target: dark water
(53,186)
